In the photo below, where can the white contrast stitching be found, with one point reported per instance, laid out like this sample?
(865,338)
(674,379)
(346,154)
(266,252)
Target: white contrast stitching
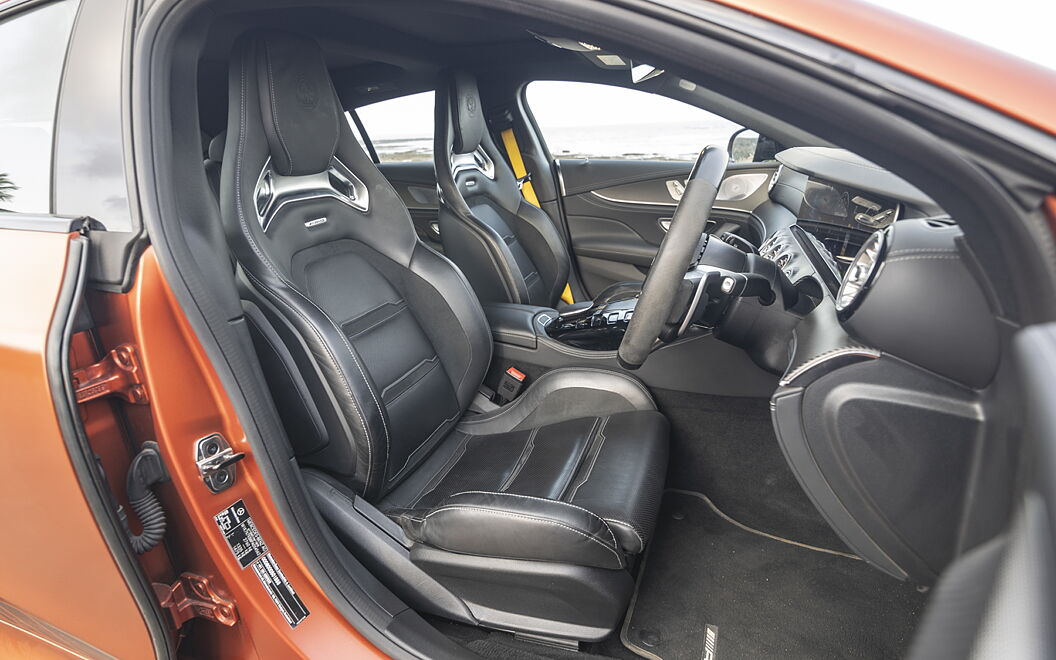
(630,526)
(499,512)
(543,499)
(333,360)
(522,460)
(601,444)
(275,107)
(520,400)
(925,257)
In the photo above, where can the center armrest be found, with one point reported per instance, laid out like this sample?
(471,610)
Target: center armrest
(519,325)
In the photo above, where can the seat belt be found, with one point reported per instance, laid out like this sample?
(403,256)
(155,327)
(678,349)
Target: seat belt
(524,182)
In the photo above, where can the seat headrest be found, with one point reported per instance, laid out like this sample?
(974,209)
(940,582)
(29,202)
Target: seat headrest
(298,105)
(467,117)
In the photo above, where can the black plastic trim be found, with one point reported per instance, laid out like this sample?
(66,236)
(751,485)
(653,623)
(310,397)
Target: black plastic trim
(785,411)
(830,279)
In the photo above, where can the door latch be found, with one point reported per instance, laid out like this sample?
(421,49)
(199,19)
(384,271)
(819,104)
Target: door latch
(194,596)
(216,462)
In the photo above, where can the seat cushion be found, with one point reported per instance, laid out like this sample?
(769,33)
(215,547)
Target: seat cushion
(543,446)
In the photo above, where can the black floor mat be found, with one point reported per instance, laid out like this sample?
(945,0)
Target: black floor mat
(768,599)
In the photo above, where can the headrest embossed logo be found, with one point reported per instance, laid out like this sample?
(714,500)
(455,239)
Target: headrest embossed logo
(471,105)
(306,94)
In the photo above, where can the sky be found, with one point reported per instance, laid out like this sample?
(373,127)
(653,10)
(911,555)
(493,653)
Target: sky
(1021,27)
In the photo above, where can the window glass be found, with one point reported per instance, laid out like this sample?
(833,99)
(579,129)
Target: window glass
(587,120)
(89,132)
(32,50)
(401,129)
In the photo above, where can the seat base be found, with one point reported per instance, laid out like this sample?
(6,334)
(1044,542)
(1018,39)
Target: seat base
(545,598)
(589,438)
(524,519)
(561,600)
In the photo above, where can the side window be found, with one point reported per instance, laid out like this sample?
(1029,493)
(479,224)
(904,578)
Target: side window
(32,52)
(400,129)
(587,120)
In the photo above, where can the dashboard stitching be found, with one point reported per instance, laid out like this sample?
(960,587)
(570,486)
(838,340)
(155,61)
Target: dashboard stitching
(863,351)
(923,251)
(923,257)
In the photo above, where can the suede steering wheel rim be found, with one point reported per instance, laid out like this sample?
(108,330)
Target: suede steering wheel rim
(673,258)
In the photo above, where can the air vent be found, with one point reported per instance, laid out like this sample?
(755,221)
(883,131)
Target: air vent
(941,222)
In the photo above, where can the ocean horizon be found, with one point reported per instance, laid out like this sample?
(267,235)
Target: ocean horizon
(671,141)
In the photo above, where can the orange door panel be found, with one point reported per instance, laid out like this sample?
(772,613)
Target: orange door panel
(61,590)
(187,403)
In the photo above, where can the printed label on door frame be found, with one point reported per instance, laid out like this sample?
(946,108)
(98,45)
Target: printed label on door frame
(237,526)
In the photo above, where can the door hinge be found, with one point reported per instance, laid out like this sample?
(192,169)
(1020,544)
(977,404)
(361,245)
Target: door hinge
(118,374)
(194,596)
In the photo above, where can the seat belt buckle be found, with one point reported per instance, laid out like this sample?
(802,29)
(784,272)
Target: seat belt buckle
(527,178)
(510,386)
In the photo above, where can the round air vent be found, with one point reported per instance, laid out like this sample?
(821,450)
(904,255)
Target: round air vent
(860,274)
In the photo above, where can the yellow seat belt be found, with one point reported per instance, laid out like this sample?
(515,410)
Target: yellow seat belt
(509,140)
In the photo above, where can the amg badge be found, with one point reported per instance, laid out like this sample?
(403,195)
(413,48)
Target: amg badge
(314,223)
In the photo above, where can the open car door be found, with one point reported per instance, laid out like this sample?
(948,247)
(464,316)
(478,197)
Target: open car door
(48,518)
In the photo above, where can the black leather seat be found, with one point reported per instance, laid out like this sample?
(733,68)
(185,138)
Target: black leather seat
(524,518)
(510,250)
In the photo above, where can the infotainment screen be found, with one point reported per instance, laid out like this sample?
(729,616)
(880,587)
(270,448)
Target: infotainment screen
(839,205)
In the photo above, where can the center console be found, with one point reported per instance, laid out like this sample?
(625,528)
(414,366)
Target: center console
(598,327)
(536,339)
(593,326)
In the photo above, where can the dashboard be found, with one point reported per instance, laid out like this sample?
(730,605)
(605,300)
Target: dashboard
(886,338)
(873,262)
(842,199)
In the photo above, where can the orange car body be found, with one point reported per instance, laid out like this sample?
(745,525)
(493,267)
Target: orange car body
(63,594)
(1008,84)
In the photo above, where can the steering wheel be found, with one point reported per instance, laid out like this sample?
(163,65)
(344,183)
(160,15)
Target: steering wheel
(676,255)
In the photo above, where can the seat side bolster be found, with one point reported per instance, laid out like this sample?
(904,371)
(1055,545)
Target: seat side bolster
(546,401)
(495,524)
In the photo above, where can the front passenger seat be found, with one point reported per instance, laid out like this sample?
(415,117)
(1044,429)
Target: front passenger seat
(526,518)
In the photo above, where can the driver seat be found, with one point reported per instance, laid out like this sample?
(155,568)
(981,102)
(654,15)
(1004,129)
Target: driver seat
(525,518)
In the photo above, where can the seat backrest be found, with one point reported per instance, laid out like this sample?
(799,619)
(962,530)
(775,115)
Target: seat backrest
(387,333)
(509,249)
